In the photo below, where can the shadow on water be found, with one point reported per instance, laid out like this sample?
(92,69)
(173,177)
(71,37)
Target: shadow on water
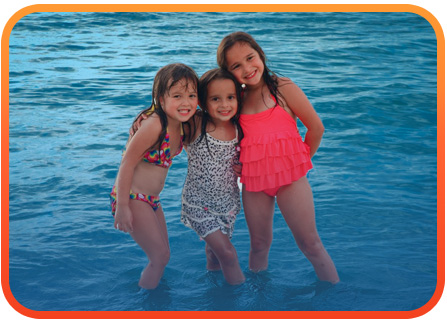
(159,299)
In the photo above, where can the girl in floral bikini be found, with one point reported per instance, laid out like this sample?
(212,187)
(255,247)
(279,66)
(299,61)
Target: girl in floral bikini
(211,195)
(274,158)
(144,166)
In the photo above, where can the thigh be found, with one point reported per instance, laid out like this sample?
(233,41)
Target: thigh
(162,222)
(258,208)
(297,207)
(149,231)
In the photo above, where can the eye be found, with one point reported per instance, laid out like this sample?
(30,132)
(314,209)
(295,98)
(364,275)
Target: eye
(231,97)
(235,67)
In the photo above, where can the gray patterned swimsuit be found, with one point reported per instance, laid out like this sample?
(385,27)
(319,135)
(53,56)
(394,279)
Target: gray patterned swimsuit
(211,195)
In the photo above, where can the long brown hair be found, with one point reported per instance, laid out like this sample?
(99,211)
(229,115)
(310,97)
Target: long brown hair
(167,77)
(204,81)
(270,78)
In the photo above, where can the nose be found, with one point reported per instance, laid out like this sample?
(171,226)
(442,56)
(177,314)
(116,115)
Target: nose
(186,101)
(192,101)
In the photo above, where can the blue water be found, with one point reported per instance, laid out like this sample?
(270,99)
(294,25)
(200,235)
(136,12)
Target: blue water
(78,79)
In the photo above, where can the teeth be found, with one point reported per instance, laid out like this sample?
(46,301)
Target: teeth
(251,75)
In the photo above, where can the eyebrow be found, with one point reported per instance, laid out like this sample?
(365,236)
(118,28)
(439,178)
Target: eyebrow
(181,91)
(251,53)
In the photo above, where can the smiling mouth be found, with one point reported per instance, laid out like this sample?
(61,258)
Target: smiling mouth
(251,75)
(184,111)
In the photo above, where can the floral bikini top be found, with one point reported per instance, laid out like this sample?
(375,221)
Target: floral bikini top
(162,157)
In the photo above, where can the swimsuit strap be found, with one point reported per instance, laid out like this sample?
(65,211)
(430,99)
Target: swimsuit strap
(274,99)
(180,148)
(160,156)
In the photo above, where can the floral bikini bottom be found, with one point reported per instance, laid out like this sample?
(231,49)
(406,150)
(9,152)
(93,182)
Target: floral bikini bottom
(153,201)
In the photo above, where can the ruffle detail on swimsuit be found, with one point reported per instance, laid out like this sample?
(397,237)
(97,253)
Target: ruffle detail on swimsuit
(273,160)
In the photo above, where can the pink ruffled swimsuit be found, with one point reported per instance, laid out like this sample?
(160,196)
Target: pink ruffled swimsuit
(273,153)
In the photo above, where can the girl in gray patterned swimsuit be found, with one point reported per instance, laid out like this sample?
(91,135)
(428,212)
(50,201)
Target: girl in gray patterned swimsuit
(210,198)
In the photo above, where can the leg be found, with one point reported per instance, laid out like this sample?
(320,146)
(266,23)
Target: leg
(225,252)
(212,263)
(296,204)
(151,235)
(259,208)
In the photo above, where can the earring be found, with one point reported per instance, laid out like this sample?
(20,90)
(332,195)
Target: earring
(243,85)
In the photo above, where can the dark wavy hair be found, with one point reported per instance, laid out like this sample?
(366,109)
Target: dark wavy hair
(204,81)
(270,78)
(167,77)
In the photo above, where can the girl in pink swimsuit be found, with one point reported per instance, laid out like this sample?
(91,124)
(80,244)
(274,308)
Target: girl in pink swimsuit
(274,157)
(144,166)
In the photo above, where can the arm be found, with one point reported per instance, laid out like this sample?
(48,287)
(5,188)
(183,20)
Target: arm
(136,124)
(300,106)
(237,168)
(135,149)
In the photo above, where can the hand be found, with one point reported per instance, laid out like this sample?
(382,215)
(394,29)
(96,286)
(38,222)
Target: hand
(123,219)
(137,123)
(237,168)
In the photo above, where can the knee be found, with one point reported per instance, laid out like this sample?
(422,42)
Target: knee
(162,257)
(208,251)
(227,256)
(260,244)
(311,246)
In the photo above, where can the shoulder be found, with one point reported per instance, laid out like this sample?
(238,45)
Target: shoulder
(145,137)
(150,126)
(290,91)
(286,84)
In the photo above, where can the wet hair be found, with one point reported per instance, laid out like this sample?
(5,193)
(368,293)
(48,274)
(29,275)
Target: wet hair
(167,77)
(205,80)
(270,78)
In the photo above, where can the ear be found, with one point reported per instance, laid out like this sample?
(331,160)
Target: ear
(161,100)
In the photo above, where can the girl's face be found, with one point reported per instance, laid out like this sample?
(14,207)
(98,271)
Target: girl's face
(245,64)
(180,103)
(221,100)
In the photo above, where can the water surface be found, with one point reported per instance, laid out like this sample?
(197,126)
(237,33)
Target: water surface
(78,79)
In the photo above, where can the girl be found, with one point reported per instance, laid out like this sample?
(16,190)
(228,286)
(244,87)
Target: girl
(211,195)
(274,158)
(145,163)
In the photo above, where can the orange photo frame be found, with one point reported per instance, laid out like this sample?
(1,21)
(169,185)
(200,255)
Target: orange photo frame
(224,314)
